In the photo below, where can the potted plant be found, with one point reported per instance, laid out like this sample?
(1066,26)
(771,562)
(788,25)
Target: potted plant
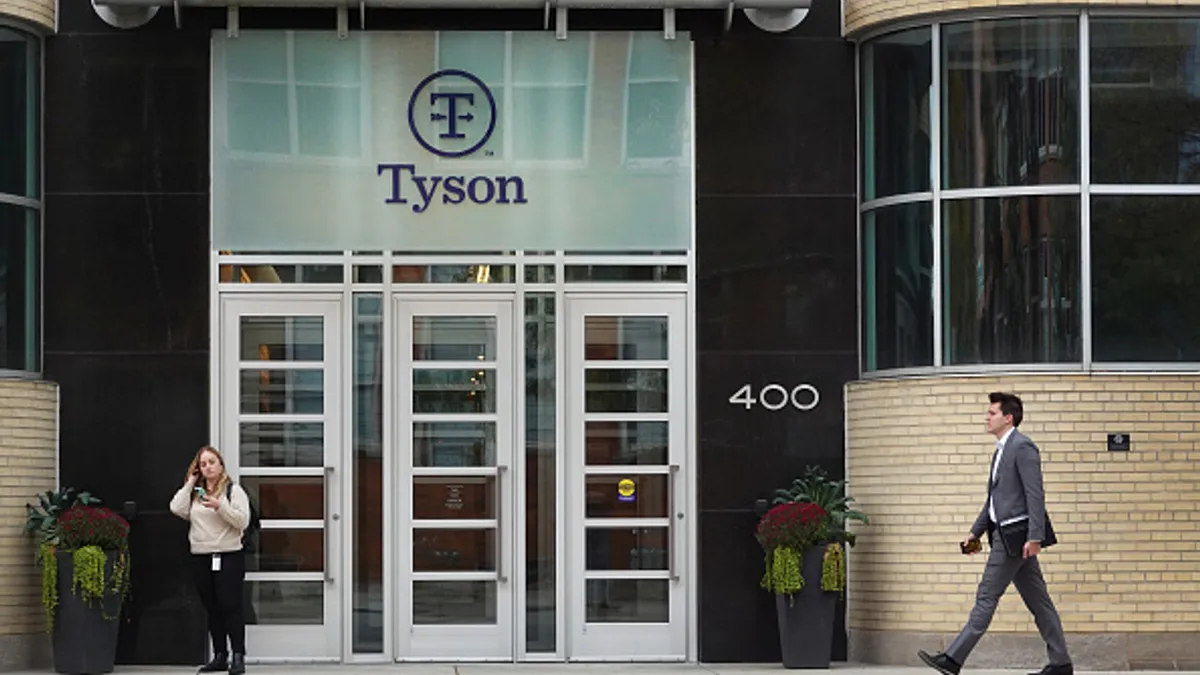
(84,558)
(803,537)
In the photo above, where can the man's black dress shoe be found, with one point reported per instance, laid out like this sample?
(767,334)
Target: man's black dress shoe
(941,663)
(220,662)
(1065,669)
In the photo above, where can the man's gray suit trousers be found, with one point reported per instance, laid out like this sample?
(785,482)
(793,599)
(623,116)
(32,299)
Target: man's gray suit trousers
(1027,576)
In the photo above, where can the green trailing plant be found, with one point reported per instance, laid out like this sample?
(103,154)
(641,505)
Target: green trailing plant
(49,565)
(783,575)
(90,534)
(816,487)
(833,568)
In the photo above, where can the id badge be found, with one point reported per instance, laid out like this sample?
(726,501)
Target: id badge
(216,562)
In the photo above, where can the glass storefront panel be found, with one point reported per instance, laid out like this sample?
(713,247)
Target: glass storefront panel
(454,497)
(541,545)
(1145,281)
(454,338)
(454,602)
(368,572)
(1011,280)
(625,390)
(626,338)
(282,444)
(283,497)
(628,601)
(627,443)
(287,603)
(454,550)
(473,527)
(454,391)
(627,549)
(897,88)
(267,391)
(1143,71)
(288,338)
(1010,102)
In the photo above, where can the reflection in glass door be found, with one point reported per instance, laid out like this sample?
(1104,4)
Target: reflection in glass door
(280,431)
(626,468)
(454,399)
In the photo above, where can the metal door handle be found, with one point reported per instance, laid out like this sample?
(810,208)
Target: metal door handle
(671,517)
(329,518)
(500,575)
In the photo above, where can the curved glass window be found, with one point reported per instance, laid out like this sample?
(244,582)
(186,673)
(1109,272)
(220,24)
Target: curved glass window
(896,91)
(1011,206)
(1011,103)
(20,207)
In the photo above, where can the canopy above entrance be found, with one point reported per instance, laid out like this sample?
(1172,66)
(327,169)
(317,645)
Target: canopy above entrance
(770,15)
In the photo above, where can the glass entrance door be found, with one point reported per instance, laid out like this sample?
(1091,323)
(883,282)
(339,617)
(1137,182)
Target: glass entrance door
(454,423)
(626,426)
(280,430)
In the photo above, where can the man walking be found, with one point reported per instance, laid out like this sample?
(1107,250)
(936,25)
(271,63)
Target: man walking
(1015,504)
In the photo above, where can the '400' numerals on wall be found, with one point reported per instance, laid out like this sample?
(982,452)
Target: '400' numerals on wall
(777,397)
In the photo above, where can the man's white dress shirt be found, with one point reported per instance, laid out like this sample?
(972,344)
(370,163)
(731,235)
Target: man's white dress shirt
(996,465)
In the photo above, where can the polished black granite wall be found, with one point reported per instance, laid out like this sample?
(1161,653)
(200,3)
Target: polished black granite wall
(776,303)
(126,298)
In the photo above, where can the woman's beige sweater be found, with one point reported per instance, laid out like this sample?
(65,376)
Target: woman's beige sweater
(213,531)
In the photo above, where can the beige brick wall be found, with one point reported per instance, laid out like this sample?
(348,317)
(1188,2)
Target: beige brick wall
(37,12)
(28,412)
(863,15)
(1129,557)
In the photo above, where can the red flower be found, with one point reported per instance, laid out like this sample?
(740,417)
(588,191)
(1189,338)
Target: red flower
(92,526)
(796,525)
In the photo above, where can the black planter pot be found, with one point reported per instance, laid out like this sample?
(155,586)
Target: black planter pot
(84,641)
(806,620)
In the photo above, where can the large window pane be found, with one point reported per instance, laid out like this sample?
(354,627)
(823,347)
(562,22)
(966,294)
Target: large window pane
(1011,102)
(1011,275)
(540,496)
(368,580)
(898,286)
(1145,91)
(897,76)
(19,256)
(19,77)
(1145,280)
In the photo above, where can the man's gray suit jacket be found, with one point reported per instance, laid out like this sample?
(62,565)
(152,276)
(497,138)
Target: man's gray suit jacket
(1017,489)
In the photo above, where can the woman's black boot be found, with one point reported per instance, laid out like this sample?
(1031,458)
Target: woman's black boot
(239,664)
(220,662)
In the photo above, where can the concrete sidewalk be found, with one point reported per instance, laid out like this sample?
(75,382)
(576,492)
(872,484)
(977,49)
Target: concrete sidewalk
(570,669)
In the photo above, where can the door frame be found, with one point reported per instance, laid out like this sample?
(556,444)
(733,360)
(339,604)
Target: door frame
(222,428)
(509,530)
(684,492)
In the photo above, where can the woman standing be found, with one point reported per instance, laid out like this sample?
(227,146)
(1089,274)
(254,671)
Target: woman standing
(218,516)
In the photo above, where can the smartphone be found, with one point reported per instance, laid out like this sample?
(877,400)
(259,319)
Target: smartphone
(199,490)
(969,547)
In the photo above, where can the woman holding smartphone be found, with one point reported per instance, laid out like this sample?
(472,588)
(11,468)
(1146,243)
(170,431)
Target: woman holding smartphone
(218,513)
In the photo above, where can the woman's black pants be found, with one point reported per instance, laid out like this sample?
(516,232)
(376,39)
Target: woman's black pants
(221,593)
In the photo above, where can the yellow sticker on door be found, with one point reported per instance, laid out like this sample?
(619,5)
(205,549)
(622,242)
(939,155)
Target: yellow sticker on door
(626,490)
